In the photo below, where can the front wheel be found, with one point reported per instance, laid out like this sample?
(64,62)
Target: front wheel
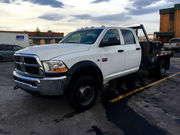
(83,93)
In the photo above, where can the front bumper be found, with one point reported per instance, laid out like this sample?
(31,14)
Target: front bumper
(43,86)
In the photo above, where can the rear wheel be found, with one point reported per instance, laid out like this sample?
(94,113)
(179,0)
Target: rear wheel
(160,71)
(83,93)
(162,68)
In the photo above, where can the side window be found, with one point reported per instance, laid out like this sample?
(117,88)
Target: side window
(128,37)
(111,38)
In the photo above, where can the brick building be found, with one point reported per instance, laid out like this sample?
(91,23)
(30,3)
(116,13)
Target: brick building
(169,23)
(39,38)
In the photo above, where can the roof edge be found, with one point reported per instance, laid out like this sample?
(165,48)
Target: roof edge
(166,11)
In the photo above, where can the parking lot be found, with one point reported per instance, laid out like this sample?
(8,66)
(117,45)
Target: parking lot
(153,111)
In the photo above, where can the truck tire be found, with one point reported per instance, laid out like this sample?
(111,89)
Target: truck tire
(83,93)
(161,72)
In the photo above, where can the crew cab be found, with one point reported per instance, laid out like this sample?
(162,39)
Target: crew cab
(85,60)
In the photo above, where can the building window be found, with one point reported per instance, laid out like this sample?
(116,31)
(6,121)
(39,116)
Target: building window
(36,41)
(57,40)
(47,41)
(172,17)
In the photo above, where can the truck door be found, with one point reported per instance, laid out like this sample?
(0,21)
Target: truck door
(132,49)
(112,53)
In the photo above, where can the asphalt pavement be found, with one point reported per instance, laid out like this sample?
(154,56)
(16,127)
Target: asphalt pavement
(153,111)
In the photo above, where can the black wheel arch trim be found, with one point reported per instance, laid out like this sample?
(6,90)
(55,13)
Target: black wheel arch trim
(81,66)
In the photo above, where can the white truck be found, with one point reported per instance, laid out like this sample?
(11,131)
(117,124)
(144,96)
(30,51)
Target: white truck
(19,39)
(174,44)
(85,60)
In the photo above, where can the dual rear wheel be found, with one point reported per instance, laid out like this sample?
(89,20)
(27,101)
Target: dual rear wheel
(160,71)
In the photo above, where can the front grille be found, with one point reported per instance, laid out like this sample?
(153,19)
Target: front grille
(32,70)
(27,65)
(29,60)
(18,67)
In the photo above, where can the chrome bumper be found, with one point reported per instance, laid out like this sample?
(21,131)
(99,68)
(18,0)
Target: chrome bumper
(43,86)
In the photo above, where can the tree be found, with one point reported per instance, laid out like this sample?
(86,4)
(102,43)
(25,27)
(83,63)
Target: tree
(49,31)
(37,29)
(38,33)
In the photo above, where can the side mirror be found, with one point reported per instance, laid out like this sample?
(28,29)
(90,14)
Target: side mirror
(111,41)
(103,44)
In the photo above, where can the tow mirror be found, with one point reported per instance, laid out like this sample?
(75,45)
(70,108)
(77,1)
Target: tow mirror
(111,41)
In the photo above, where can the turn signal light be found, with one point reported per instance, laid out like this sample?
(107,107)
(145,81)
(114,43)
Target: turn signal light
(60,69)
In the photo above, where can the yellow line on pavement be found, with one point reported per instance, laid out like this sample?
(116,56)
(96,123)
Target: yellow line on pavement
(142,88)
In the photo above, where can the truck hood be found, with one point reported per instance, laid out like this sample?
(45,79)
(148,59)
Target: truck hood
(47,52)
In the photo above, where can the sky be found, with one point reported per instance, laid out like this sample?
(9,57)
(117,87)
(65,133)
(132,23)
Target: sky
(69,15)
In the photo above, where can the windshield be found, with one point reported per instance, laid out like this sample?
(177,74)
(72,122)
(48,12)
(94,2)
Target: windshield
(88,36)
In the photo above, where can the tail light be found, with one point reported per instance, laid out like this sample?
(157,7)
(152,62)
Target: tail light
(177,44)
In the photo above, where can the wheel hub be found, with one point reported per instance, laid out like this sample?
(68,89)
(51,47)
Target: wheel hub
(86,94)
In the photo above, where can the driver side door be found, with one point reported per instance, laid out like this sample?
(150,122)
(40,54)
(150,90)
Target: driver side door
(112,54)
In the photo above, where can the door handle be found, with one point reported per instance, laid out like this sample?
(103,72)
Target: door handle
(138,48)
(120,51)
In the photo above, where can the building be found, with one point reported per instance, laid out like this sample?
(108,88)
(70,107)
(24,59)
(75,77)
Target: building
(169,23)
(40,38)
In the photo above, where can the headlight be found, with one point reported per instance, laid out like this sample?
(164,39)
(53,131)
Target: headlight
(54,66)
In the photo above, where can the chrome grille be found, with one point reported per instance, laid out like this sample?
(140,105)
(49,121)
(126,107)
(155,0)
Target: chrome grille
(28,65)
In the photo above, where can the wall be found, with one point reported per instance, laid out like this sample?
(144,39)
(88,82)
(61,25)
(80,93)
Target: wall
(177,23)
(165,23)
